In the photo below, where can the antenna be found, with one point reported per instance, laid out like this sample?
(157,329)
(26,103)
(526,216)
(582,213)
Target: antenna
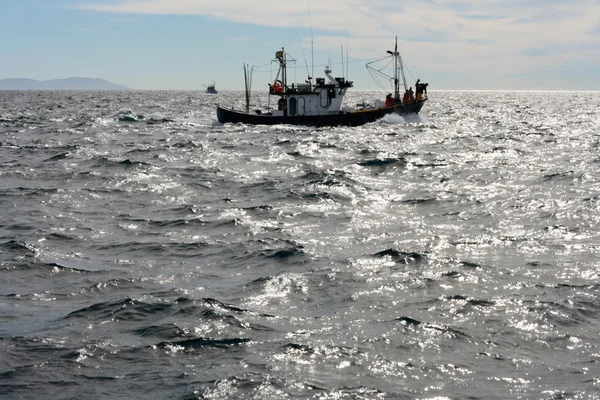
(342,51)
(305,63)
(347,66)
(312,44)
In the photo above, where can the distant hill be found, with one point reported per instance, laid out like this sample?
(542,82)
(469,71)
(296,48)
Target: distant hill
(59,84)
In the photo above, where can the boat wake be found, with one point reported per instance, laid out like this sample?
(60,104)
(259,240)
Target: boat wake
(393,119)
(396,119)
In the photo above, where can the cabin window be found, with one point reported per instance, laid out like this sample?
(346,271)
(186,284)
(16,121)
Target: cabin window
(324,100)
(293,106)
(301,106)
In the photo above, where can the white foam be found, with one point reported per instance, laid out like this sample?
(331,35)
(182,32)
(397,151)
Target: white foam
(393,119)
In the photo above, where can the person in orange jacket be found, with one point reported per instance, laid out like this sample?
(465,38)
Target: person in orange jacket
(406,97)
(389,100)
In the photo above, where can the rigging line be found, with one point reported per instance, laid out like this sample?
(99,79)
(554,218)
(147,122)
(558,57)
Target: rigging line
(332,64)
(376,79)
(378,59)
(409,71)
(303,55)
(383,67)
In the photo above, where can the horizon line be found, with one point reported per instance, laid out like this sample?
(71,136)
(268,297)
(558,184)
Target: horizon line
(239,90)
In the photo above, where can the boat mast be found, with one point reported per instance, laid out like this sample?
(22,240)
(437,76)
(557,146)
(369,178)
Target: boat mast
(398,70)
(247,83)
(395,55)
(396,86)
(283,69)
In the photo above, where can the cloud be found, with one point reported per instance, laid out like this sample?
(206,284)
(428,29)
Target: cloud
(497,36)
(498,22)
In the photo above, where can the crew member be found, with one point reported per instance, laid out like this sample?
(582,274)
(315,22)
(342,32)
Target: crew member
(421,89)
(278,88)
(406,97)
(389,100)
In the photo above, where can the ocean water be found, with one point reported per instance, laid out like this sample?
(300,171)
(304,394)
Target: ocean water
(147,251)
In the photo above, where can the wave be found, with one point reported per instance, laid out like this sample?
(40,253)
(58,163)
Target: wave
(329,178)
(179,249)
(284,254)
(571,175)
(411,323)
(420,201)
(192,344)
(19,248)
(385,162)
(401,257)
(323,350)
(132,311)
(471,301)
(127,163)
(166,331)
(127,115)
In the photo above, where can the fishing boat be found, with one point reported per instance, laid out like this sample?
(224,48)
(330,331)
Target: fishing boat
(321,103)
(211,89)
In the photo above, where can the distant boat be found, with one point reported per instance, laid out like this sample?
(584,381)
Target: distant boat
(211,88)
(320,104)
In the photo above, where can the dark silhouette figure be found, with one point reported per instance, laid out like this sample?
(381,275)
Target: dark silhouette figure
(421,87)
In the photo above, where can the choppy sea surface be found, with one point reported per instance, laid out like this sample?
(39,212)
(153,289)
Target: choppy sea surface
(147,251)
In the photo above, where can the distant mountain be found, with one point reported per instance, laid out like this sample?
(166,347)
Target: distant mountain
(59,84)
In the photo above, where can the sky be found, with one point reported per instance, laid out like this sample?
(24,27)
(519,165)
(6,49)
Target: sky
(186,44)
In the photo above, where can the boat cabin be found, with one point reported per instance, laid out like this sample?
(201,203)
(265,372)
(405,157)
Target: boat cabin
(305,99)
